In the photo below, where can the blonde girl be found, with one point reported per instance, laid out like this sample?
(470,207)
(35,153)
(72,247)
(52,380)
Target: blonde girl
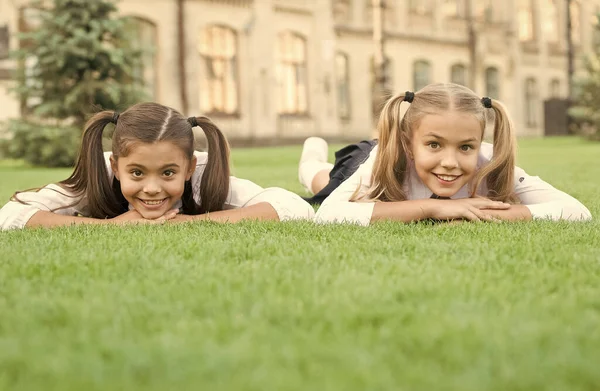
(432,163)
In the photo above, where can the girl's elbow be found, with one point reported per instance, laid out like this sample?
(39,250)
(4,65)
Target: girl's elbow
(288,205)
(298,209)
(581,214)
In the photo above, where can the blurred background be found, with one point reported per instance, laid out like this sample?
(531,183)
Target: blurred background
(272,71)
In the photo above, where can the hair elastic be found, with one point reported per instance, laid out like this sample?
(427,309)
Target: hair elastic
(487,102)
(193,121)
(409,96)
(115,117)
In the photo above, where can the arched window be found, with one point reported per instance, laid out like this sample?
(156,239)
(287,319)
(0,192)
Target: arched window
(492,83)
(342,74)
(421,74)
(291,74)
(531,102)
(525,19)
(458,74)
(219,82)
(143,36)
(555,88)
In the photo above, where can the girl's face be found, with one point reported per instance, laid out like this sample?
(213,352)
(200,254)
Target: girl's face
(153,176)
(445,149)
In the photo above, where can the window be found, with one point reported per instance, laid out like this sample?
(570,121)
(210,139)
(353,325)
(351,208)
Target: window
(291,74)
(453,8)
(531,102)
(555,88)
(421,7)
(143,36)
(219,83)
(492,83)
(421,74)
(342,85)
(550,21)
(458,74)
(525,18)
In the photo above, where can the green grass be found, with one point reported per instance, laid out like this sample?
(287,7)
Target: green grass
(291,306)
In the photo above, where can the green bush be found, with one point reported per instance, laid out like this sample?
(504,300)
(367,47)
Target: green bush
(41,145)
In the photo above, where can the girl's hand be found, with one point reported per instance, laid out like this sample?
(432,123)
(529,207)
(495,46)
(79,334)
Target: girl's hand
(471,209)
(134,217)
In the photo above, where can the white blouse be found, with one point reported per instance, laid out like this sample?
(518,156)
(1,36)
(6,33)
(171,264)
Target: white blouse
(242,192)
(543,200)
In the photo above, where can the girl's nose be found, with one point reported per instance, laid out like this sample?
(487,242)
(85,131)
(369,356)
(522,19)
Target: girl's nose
(151,188)
(449,161)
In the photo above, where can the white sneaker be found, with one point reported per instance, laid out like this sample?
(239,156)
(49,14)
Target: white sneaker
(313,160)
(315,149)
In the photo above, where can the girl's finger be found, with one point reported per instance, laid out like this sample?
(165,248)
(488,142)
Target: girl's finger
(481,215)
(171,214)
(494,205)
(469,215)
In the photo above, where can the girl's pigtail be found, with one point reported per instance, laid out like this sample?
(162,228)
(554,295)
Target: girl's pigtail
(214,187)
(389,169)
(499,172)
(90,176)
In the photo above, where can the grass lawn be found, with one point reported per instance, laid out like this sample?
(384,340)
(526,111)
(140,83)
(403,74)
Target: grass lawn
(296,307)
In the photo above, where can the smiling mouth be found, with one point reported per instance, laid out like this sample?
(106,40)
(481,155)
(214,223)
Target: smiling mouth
(447,178)
(153,202)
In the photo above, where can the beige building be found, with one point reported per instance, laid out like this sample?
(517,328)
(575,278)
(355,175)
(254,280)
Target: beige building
(286,69)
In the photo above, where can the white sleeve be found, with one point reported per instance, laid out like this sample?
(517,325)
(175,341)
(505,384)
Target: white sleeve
(546,202)
(288,205)
(16,214)
(242,192)
(337,207)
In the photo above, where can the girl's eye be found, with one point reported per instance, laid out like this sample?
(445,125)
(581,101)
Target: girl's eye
(466,148)
(136,173)
(433,145)
(169,173)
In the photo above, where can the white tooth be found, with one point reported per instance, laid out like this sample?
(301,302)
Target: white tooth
(447,178)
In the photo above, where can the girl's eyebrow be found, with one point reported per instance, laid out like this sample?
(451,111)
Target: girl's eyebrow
(135,165)
(442,138)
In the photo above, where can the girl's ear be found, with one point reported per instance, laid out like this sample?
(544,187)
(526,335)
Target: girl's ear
(113,166)
(191,168)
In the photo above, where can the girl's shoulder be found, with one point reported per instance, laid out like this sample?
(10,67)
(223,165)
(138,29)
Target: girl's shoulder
(201,157)
(486,152)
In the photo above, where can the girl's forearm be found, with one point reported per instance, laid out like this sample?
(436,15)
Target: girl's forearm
(262,211)
(406,211)
(49,219)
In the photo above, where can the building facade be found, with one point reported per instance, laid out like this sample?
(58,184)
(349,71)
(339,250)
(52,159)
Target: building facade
(269,70)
